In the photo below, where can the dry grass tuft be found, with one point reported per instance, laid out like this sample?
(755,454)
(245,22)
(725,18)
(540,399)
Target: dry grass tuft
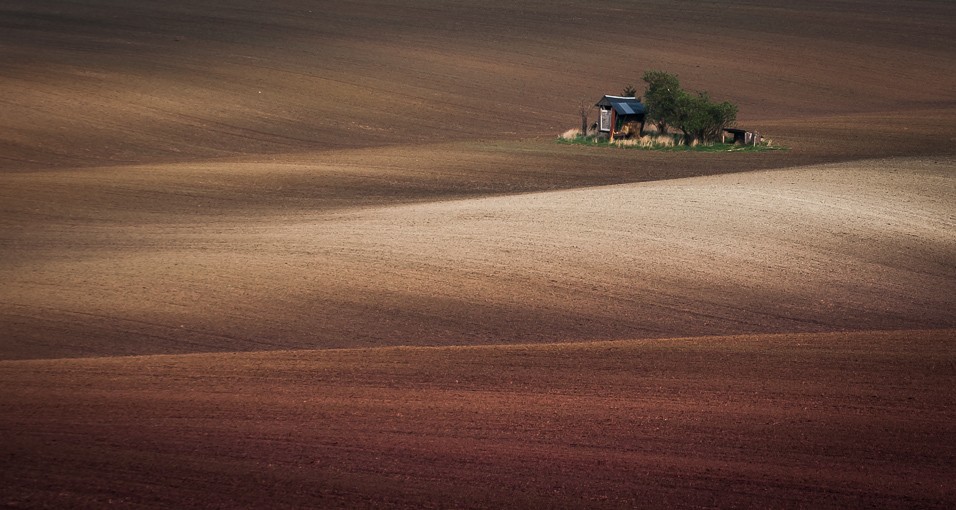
(647,141)
(656,141)
(664,140)
(650,141)
(571,134)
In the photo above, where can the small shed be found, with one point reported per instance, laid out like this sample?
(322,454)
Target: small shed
(616,112)
(743,137)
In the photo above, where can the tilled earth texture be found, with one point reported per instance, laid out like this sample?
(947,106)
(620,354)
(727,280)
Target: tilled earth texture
(319,254)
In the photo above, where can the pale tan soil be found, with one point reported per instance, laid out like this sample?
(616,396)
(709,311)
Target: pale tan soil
(849,246)
(185,177)
(785,421)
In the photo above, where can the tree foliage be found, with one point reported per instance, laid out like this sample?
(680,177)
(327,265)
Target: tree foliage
(694,114)
(629,91)
(701,119)
(661,97)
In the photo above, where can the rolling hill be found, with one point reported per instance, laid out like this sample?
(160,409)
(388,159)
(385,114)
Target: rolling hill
(327,254)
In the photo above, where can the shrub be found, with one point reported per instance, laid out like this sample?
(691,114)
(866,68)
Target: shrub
(698,118)
(702,120)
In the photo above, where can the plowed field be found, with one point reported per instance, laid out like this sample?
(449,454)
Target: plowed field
(314,254)
(810,420)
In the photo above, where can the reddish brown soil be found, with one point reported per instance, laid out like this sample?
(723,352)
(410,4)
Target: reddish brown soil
(813,420)
(200,183)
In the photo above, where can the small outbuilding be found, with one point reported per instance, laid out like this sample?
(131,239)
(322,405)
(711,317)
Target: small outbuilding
(743,137)
(617,114)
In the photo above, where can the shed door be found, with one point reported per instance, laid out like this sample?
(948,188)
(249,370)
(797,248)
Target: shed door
(604,123)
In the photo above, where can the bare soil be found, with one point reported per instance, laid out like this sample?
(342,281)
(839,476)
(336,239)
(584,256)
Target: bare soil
(846,246)
(223,228)
(829,420)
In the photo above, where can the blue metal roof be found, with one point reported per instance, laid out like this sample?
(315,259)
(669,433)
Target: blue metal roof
(623,105)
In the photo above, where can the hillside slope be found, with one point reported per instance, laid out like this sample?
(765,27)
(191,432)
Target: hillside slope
(803,421)
(305,253)
(104,82)
(850,246)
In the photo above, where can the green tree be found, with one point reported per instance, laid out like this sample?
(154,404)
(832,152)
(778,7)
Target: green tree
(629,91)
(695,115)
(701,119)
(661,98)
